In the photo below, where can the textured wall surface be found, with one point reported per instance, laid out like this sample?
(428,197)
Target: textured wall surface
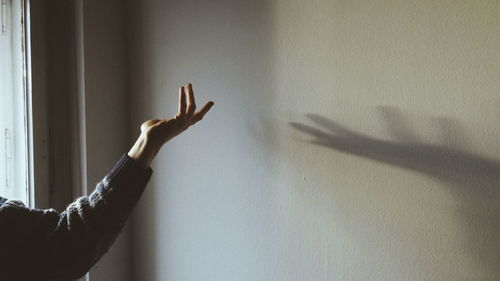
(350,140)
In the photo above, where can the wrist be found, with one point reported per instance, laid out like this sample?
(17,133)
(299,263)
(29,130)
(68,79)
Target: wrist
(144,150)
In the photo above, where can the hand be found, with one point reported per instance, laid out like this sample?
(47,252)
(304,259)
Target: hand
(154,133)
(161,131)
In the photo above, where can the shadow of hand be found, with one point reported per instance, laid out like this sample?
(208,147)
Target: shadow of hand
(473,180)
(448,161)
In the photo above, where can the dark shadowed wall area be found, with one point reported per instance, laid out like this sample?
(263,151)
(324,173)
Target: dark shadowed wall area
(81,107)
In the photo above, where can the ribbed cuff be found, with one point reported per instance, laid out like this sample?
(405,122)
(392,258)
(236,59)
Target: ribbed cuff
(127,179)
(130,165)
(119,191)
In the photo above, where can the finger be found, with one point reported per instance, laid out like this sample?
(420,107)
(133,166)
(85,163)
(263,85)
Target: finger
(319,134)
(191,105)
(451,133)
(200,114)
(182,102)
(399,126)
(333,126)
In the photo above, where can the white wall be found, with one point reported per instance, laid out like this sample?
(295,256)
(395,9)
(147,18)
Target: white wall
(350,140)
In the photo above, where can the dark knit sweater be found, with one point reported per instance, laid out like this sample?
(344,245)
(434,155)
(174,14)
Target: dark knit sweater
(39,245)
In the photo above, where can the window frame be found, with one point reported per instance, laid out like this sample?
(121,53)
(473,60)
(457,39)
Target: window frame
(14,25)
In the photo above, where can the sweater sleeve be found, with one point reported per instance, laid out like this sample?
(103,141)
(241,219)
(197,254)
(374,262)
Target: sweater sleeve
(66,245)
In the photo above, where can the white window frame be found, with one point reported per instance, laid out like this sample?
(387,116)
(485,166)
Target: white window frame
(17,132)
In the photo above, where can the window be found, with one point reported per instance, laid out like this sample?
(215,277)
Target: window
(13,102)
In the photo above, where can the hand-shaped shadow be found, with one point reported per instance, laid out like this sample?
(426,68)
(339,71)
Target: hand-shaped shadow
(473,180)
